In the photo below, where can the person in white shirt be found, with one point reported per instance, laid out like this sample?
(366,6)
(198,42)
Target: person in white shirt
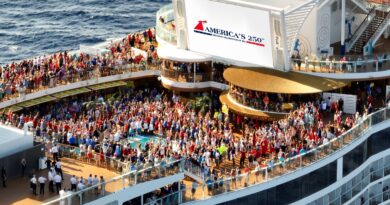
(80,186)
(54,151)
(58,168)
(50,176)
(73,183)
(33,184)
(42,181)
(90,180)
(57,181)
(95,182)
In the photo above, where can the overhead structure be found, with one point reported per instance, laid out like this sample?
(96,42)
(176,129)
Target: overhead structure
(272,81)
(175,54)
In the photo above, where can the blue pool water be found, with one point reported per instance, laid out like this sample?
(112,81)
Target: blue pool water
(142,139)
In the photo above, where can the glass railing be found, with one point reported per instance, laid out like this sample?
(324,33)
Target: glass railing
(370,177)
(180,76)
(121,182)
(226,184)
(350,64)
(165,24)
(257,104)
(114,66)
(77,76)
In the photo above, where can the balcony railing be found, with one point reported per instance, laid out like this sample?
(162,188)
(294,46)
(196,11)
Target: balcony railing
(165,24)
(282,167)
(121,182)
(350,64)
(180,76)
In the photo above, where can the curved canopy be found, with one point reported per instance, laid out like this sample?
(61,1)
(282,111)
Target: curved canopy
(275,81)
(249,112)
(180,55)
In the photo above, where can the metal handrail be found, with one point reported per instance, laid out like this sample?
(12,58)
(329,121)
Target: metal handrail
(351,41)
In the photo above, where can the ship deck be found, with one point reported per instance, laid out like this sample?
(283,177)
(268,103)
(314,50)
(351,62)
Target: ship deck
(18,190)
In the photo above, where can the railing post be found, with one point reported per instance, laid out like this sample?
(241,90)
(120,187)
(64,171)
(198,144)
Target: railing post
(81,198)
(354,67)
(123,182)
(376,66)
(179,197)
(135,177)
(300,161)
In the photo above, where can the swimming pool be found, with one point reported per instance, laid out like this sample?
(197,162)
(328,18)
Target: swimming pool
(143,139)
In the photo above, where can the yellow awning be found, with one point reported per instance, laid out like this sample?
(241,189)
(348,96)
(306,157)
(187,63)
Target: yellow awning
(37,101)
(275,81)
(71,93)
(14,108)
(107,85)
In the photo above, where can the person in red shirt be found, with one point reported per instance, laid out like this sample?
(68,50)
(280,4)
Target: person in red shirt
(242,157)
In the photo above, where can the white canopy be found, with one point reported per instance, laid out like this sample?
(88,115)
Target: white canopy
(13,140)
(180,55)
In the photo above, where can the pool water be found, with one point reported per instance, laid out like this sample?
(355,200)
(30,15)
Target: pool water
(143,139)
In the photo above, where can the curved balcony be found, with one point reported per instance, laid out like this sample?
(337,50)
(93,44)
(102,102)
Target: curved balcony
(81,80)
(165,24)
(345,67)
(189,81)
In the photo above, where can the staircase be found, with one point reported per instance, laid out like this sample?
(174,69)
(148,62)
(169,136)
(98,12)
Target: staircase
(294,20)
(380,30)
(367,34)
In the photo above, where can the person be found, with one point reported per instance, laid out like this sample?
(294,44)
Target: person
(57,181)
(341,104)
(62,193)
(89,180)
(73,183)
(50,176)
(33,184)
(42,181)
(80,186)
(48,164)
(95,181)
(102,185)
(4,177)
(23,164)
(58,168)
(193,189)
(54,151)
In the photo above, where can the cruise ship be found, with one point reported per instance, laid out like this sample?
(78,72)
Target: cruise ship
(230,50)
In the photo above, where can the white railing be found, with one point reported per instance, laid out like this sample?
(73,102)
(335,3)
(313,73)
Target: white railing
(283,167)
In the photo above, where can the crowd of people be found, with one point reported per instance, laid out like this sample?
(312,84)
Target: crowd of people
(26,76)
(256,99)
(206,138)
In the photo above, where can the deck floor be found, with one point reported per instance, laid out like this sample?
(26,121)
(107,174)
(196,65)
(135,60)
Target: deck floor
(18,190)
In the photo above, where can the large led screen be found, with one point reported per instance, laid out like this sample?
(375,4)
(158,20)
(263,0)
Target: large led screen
(229,31)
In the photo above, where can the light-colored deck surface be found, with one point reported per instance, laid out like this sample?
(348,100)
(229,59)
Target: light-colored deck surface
(18,190)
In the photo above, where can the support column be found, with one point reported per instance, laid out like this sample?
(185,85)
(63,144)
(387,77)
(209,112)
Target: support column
(342,27)
(339,168)
(286,54)
(194,71)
